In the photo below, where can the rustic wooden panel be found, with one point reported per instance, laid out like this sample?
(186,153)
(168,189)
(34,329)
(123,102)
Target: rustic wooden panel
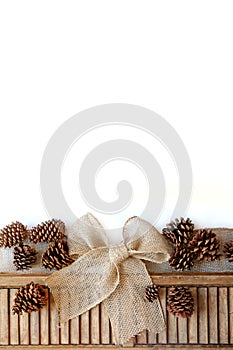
(211,323)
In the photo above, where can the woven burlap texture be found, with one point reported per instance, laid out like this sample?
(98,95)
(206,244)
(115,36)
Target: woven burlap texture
(114,275)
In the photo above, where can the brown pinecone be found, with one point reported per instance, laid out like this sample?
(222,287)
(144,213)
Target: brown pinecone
(24,257)
(56,256)
(181,259)
(30,298)
(205,245)
(48,231)
(151,293)
(228,250)
(12,234)
(180,302)
(179,232)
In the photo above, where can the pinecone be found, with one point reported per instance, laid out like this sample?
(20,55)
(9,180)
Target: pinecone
(30,298)
(228,250)
(181,259)
(180,302)
(56,256)
(12,234)
(151,293)
(205,245)
(48,231)
(179,232)
(24,257)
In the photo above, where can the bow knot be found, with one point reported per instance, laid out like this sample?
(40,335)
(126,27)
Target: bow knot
(118,253)
(115,276)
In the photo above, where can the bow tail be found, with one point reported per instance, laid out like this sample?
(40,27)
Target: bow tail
(129,313)
(84,284)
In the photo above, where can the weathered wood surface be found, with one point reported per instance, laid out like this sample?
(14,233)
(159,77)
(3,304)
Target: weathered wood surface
(211,325)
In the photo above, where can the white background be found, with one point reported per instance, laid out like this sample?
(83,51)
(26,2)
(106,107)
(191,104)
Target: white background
(60,57)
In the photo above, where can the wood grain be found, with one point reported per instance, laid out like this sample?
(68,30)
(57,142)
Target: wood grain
(3,316)
(14,321)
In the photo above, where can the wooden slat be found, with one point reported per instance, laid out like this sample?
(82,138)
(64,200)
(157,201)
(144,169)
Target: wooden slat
(54,330)
(213,312)
(162,337)
(14,322)
(105,326)
(203,316)
(95,325)
(171,327)
(191,279)
(182,330)
(3,316)
(223,316)
(34,328)
(64,333)
(231,315)
(74,331)
(24,329)
(192,321)
(85,331)
(44,323)
(142,338)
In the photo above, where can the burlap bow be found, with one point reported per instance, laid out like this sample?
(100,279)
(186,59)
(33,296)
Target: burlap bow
(113,275)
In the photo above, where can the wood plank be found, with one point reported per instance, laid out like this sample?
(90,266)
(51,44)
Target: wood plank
(162,337)
(44,322)
(203,315)
(24,329)
(213,311)
(182,330)
(105,326)
(142,338)
(85,330)
(192,321)
(34,328)
(223,316)
(54,330)
(95,325)
(74,331)
(171,327)
(191,279)
(231,314)
(14,321)
(64,333)
(3,316)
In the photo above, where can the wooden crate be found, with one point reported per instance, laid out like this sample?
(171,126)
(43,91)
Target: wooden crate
(210,327)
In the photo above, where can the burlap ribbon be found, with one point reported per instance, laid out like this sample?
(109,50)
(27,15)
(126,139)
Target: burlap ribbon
(113,275)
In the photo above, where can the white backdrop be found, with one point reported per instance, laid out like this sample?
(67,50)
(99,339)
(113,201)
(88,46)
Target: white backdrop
(60,57)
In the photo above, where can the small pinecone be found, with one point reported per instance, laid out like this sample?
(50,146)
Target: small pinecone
(24,257)
(151,293)
(180,302)
(12,234)
(205,245)
(56,256)
(179,232)
(30,298)
(228,250)
(181,259)
(48,231)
